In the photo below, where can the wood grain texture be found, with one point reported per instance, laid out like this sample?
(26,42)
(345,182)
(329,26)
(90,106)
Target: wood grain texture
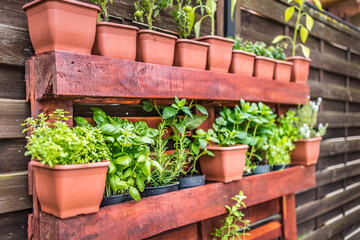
(12,155)
(268,231)
(12,115)
(209,199)
(289,217)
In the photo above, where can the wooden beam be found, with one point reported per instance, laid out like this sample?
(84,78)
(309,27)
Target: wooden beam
(332,147)
(271,230)
(289,217)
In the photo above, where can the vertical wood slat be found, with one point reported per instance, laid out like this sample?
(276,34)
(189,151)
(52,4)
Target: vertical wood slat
(289,217)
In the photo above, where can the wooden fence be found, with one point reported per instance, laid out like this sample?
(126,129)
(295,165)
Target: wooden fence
(327,211)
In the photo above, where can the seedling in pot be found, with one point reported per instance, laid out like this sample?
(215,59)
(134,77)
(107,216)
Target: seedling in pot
(103,14)
(183,15)
(299,27)
(150,9)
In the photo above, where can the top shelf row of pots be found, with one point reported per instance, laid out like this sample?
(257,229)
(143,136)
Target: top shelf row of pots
(71,26)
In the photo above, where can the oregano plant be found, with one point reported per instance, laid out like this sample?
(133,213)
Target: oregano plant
(300,28)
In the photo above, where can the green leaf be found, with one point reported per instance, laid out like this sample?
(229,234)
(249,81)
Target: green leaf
(202,110)
(197,27)
(140,184)
(134,193)
(147,168)
(111,169)
(157,166)
(124,161)
(121,184)
(318,4)
(309,22)
(147,105)
(211,6)
(141,158)
(203,143)
(278,39)
(304,33)
(169,112)
(305,50)
(195,149)
(233,4)
(180,127)
(99,116)
(191,16)
(108,129)
(81,122)
(210,153)
(109,139)
(289,12)
(195,122)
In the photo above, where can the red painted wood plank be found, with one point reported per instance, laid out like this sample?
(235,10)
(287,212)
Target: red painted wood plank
(289,217)
(154,215)
(185,233)
(268,231)
(70,75)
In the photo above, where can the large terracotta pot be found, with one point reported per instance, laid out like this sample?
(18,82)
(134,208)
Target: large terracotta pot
(264,67)
(283,71)
(115,40)
(306,151)
(191,54)
(61,25)
(242,63)
(220,53)
(69,190)
(155,47)
(227,165)
(300,71)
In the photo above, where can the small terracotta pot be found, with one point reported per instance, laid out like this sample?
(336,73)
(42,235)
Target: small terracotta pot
(220,52)
(242,63)
(191,54)
(227,165)
(300,71)
(264,67)
(115,40)
(69,190)
(155,47)
(61,25)
(283,71)
(306,151)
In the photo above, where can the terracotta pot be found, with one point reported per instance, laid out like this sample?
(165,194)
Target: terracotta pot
(306,151)
(264,67)
(300,71)
(115,40)
(227,165)
(242,63)
(155,47)
(69,190)
(191,54)
(220,51)
(61,25)
(283,71)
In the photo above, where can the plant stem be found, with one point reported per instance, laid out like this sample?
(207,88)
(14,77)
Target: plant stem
(213,24)
(296,31)
(149,16)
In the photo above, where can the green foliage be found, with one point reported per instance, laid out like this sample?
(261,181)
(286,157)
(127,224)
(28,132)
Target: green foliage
(131,164)
(151,9)
(58,144)
(281,142)
(307,115)
(260,48)
(235,226)
(183,15)
(299,27)
(103,14)
(248,124)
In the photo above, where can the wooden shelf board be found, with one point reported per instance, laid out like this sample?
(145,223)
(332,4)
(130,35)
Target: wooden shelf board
(72,76)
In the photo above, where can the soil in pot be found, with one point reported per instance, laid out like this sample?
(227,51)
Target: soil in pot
(306,151)
(242,63)
(283,71)
(264,68)
(115,199)
(227,165)
(115,40)
(191,54)
(262,169)
(69,190)
(193,181)
(155,47)
(220,53)
(300,70)
(277,167)
(152,191)
(65,25)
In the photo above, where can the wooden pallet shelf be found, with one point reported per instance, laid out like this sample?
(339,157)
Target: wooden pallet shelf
(72,76)
(150,216)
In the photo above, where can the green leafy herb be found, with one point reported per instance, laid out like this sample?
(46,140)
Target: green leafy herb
(183,15)
(151,9)
(103,14)
(260,48)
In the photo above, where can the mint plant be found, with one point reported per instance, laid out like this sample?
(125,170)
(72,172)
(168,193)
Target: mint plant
(103,14)
(53,142)
(235,226)
(151,9)
(307,115)
(129,145)
(299,27)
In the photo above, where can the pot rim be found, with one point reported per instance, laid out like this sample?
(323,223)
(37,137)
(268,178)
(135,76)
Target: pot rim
(214,37)
(119,25)
(284,62)
(157,33)
(103,163)
(82,4)
(202,175)
(192,42)
(298,58)
(228,148)
(244,52)
(314,139)
(160,187)
(265,58)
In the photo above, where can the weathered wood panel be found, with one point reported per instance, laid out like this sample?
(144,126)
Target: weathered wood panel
(12,115)
(12,155)
(13,226)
